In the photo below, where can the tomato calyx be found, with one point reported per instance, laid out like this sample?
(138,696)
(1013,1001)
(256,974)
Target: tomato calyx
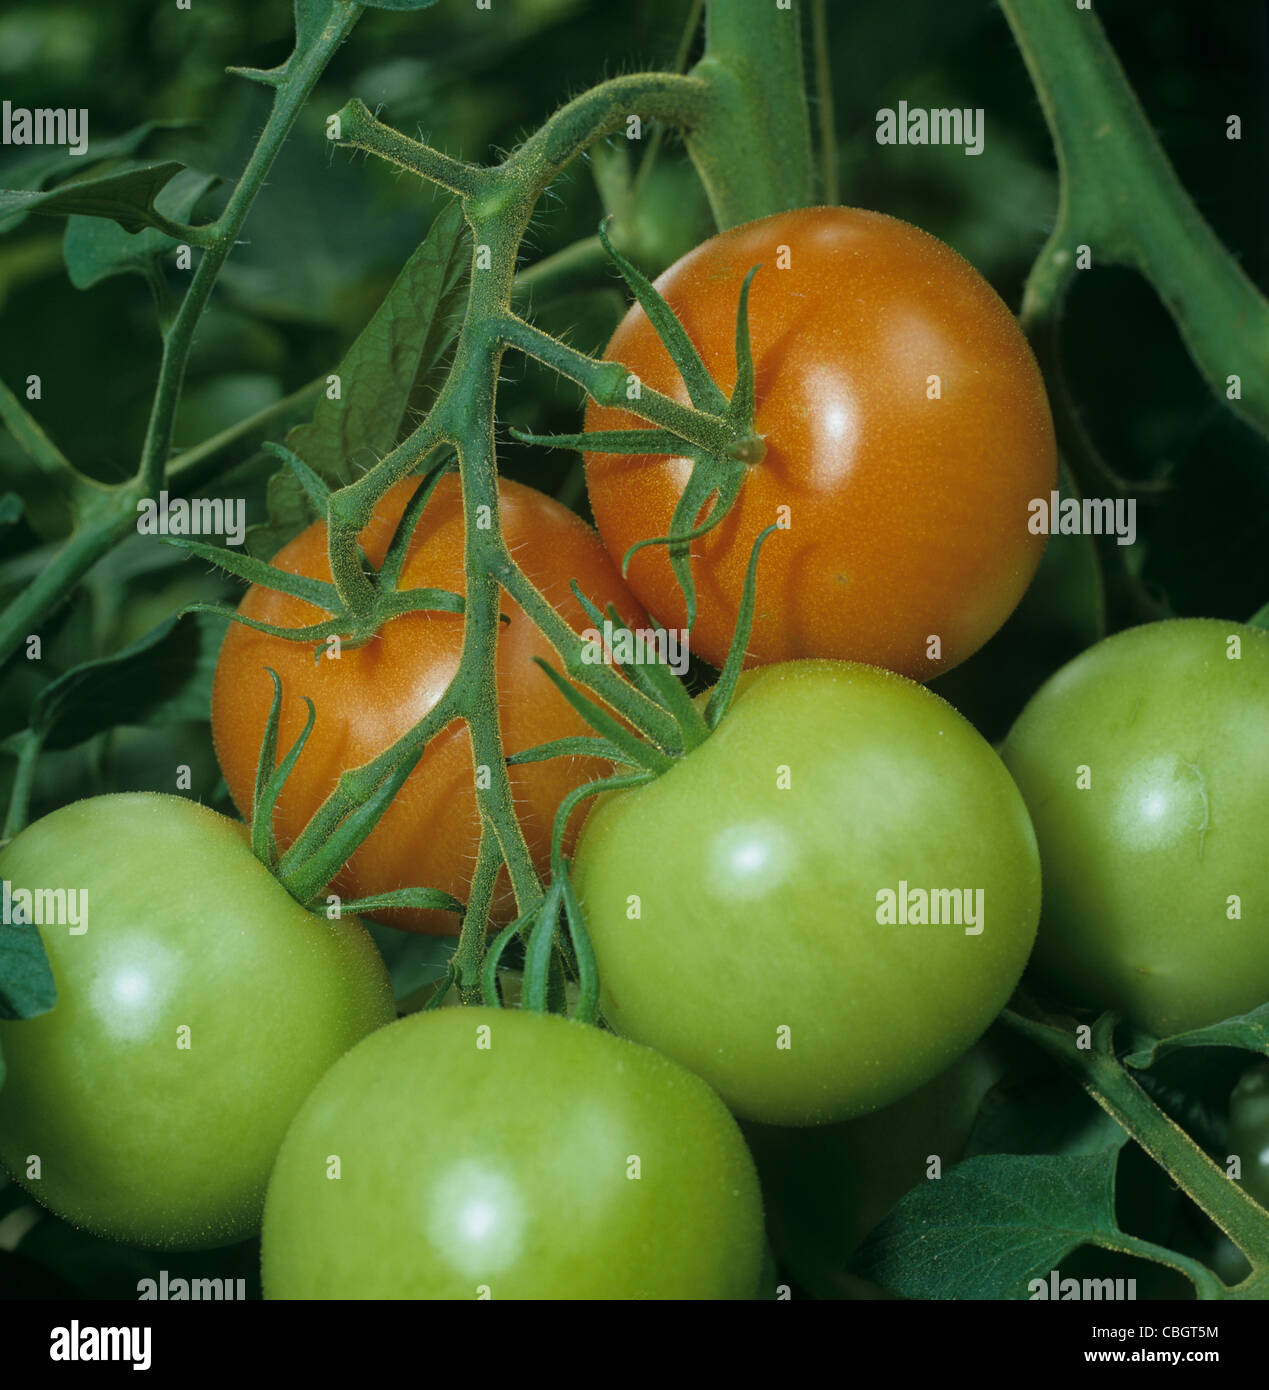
(720,466)
(357,610)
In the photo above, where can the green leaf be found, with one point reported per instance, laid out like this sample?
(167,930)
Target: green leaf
(10,509)
(398,4)
(1036,1110)
(1249,1031)
(95,249)
(394,359)
(162,678)
(26,981)
(1260,619)
(34,170)
(127,196)
(991,1224)
(290,512)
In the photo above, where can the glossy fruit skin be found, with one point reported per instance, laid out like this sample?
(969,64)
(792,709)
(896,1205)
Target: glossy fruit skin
(758,905)
(1249,1130)
(909,516)
(1140,864)
(140,1139)
(826,1187)
(504,1171)
(374,694)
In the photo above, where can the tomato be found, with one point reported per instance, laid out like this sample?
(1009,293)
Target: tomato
(826,1187)
(1145,762)
(374,694)
(492,1153)
(745,907)
(1249,1130)
(197,1004)
(907,516)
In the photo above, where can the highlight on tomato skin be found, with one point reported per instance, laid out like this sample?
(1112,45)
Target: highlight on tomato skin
(372,695)
(1145,765)
(197,1005)
(744,907)
(907,430)
(503,1154)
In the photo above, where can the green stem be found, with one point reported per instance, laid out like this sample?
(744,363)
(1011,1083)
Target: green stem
(605,382)
(1121,197)
(200,463)
(1242,1219)
(824,100)
(104,516)
(753,147)
(302,74)
(29,744)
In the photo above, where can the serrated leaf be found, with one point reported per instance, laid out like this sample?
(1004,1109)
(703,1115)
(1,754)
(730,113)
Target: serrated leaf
(127,196)
(393,359)
(164,677)
(991,1224)
(26,981)
(95,249)
(1249,1031)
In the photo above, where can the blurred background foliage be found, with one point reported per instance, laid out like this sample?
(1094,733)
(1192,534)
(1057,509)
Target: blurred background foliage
(331,230)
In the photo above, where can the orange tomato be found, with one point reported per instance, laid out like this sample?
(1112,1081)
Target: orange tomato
(906,427)
(371,695)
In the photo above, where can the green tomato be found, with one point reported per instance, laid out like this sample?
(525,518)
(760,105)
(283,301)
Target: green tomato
(492,1153)
(1249,1130)
(1145,763)
(195,1011)
(826,1187)
(754,911)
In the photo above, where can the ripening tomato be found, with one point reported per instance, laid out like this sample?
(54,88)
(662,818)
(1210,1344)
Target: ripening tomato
(197,1005)
(824,904)
(371,695)
(906,427)
(492,1153)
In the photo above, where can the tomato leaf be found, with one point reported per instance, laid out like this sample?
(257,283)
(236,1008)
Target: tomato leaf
(992,1224)
(394,358)
(163,677)
(126,196)
(95,249)
(1249,1031)
(1036,1110)
(34,170)
(26,979)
